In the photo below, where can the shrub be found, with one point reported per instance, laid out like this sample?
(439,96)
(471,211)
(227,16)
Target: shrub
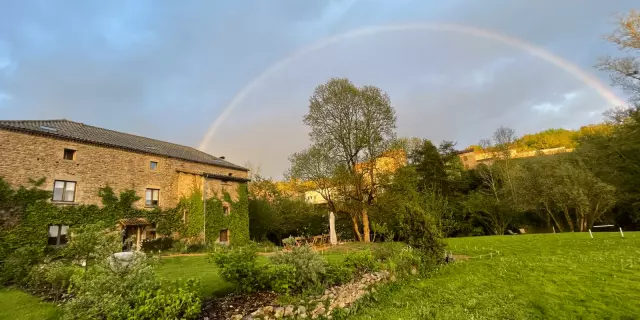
(280,278)
(51,280)
(196,247)
(159,244)
(361,261)
(171,301)
(17,266)
(336,274)
(131,291)
(385,251)
(180,246)
(408,261)
(308,264)
(238,266)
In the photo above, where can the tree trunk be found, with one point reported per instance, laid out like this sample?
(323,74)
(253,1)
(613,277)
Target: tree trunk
(569,221)
(556,222)
(365,226)
(356,228)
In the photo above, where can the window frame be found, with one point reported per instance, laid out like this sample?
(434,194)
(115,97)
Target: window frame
(67,151)
(59,236)
(151,165)
(64,191)
(149,202)
(226,232)
(226,209)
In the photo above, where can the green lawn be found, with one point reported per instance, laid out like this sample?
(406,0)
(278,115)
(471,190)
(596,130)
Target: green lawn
(543,276)
(211,283)
(550,276)
(17,305)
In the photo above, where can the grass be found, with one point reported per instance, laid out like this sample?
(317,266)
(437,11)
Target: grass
(545,276)
(211,283)
(539,276)
(15,304)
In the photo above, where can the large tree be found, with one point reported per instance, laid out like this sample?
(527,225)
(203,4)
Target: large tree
(351,127)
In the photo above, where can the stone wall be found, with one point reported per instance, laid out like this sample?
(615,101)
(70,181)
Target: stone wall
(27,156)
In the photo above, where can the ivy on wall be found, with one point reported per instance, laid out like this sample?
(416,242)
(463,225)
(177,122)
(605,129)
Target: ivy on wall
(237,221)
(34,220)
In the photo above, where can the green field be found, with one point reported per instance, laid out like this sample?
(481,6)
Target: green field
(17,305)
(552,276)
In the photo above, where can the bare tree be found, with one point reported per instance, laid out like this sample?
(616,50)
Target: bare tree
(625,71)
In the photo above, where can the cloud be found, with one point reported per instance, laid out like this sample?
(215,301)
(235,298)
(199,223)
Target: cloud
(167,69)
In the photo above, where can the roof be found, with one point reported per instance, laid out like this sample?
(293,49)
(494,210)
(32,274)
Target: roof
(216,176)
(134,222)
(65,129)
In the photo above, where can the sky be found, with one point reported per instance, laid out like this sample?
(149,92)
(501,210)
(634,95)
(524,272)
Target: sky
(168,69)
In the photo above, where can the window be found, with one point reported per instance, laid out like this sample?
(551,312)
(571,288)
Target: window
(153,165)
(226,209)
(58,235)
(224,236)
(69,154)
(464,158)
(151,198)
(64,191)
(466,166)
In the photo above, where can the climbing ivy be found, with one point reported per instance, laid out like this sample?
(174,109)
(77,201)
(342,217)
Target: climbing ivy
(237,222)
(34,219)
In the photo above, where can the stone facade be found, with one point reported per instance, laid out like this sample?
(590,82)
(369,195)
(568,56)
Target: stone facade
(26,156)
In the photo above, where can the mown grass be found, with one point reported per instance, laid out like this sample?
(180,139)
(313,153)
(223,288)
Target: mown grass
(550,276)
(212,284)
(18,305)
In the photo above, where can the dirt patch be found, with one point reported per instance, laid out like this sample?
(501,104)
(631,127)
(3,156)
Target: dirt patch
(226,307)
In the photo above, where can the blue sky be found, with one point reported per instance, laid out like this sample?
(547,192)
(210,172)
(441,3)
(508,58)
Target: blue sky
(167,69)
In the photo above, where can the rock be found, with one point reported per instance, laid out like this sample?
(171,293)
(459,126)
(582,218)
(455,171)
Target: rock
(288,311)
(301,310)
(257,313)
(236,317)
(267,310)
(278,312)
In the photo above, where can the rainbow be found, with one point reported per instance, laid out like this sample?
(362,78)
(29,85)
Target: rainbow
(588,79)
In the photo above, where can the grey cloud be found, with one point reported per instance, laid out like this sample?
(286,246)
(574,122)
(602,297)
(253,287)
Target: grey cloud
(166,69)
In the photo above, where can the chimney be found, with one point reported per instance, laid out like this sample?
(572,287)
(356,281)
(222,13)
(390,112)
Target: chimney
(222,157)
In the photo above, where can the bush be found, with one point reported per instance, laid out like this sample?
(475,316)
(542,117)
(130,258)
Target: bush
(180,246)
(196,247)
(309,266)
(385,251)
(159,244)
(238,266)
(336,274)
(171,301)
(408,261)
(279,277)
(51,280)
(361,261)
(17,266)
(114,291)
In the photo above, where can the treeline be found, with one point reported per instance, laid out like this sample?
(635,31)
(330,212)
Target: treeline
(554,138)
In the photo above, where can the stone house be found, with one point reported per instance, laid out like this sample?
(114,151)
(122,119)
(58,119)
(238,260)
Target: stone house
(77,160)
